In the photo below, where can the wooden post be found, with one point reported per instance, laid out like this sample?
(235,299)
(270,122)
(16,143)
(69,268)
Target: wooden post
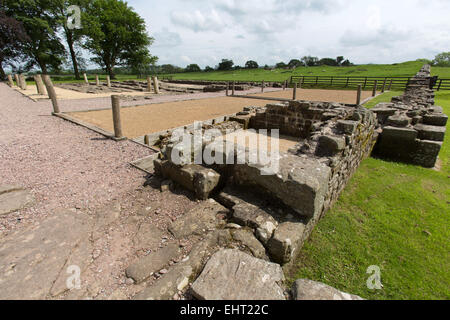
(108,81)
(348,79)
(227,89)
(22,82)
(358,95)
(285,84)
(262,86)
(149,84)
(383,89)
(156,84)
(294,94)
(97,81)
(390,84)
(331,83)
(10,81)
(51,93)
(300,83)
(233,89)
(40,85)
(16,77)
(439,87)
(86,81)
(146,140)
(365,83)
(375,86)
(115,100)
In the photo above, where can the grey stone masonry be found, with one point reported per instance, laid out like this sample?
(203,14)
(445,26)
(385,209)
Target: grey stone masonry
(412,127)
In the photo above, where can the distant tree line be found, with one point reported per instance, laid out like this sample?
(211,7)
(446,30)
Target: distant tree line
(36,33)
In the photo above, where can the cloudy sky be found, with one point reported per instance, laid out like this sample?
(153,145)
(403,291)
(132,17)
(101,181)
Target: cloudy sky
(270,31)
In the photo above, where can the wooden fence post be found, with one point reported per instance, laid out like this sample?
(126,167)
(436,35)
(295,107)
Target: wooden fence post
(227,89)
(390,84)
(16,77)
(348,79)
(51,92)
(115,101)
(233,89)
(22,82)
(358,95)
(40,85)
(149,84)
(262,86)
(10,81)
(439,87)
(156,84)
(375,86)
(97,80)
(86,81)
(365,83)
(300,83)
(294,94)
(108,81)
(383,89)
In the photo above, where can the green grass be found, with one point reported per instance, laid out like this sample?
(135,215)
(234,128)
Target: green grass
(392,215)
(385,97)
(441,72)
(399,70)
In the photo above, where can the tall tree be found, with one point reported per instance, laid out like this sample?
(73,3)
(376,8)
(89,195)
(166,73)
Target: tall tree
(116,35)
(193,68)
(44,47)
(12,38)
(251,65)
(225,65)
(72,36)
(294,63)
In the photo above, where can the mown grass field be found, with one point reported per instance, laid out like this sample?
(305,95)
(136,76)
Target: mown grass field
(392,215)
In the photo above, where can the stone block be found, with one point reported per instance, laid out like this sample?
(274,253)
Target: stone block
(247,239)
(399,121)
(435,119)
(433,133)
(235,275)
(347,126)
(286,241)
(330,145)
(300,183)
(308,290)
(403,134)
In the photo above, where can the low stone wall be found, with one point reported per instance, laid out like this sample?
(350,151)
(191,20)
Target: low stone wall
(412,127)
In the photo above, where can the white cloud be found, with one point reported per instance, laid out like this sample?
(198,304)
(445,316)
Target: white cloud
(198,21)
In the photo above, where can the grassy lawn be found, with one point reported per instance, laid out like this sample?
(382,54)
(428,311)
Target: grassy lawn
(386,97)
(392,215)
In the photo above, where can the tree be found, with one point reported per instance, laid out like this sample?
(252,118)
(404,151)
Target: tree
(225,65)
(72,36)
(442,60)
(346,63)
(12,38)
(251,65)
(208,69)
(116,35)
(339,60)
(43,47)
(281,65)
(294,63)
(328,62)
(310,61)
(193,68)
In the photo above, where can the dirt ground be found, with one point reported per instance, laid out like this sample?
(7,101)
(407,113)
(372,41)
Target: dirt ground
(141,120)
(342,96)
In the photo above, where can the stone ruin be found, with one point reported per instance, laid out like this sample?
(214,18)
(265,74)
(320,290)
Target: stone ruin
(412,127)
(254,224)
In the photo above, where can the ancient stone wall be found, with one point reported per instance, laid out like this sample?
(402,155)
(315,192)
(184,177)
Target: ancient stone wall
(412,127)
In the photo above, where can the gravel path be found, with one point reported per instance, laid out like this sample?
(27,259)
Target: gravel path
(101,103)
(64,165)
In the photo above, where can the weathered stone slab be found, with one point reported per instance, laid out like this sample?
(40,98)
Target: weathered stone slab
(146,266)
(9,188)
(234,275)
(433,133)
(435,119)
(304,289)
(347,126)
(248,240)
(32,260)
(286,241)
(193,177)
(11,201)
(247,214)
(404,134)
(399,121)
(207,215)
(300,183)
(177,279)
(330,145)
(148,236)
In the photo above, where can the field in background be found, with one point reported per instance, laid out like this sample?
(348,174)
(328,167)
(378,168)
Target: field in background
(391,215)
(405,69)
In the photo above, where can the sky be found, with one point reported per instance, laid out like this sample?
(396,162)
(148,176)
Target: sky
(271,31)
